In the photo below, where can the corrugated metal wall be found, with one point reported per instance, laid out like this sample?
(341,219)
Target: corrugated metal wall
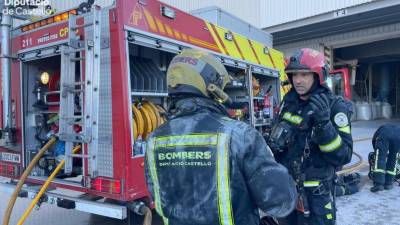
(250,13)
(265,13)
(277,12)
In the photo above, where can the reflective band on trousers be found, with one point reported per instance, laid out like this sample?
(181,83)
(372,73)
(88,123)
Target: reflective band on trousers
(221,141)
(311,183)
(345,129)
(292,118)
(376,161)
(154,178)
(391,172)
(223,186)
(332,146)
(379,171)
(187,140)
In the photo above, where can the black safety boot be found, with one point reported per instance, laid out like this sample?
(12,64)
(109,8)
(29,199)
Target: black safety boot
(388,186)
(376,188)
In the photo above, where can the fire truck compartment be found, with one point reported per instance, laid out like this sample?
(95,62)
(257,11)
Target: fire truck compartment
(41,99)
(148,67)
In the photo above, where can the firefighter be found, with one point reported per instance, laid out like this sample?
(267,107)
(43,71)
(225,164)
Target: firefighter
(347,184)
(205,168)
(386,143)
(312,138)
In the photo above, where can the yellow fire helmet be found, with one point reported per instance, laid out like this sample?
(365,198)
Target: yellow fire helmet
(198,73)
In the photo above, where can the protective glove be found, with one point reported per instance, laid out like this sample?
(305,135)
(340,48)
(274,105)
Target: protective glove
(321,110)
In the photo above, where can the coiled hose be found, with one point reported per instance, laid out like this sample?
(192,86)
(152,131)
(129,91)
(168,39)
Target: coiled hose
(21,181)
(44,188)
(358,164)
(353,167)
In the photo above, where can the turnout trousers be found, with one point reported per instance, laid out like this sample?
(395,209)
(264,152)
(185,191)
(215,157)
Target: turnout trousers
(385,163)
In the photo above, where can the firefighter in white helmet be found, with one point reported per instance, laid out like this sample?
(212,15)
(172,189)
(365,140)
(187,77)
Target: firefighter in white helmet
(205,168)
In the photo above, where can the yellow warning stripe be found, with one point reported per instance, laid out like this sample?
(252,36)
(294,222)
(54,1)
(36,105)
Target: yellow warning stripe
(245,48)
(229,45)
(150,20)
(270,57)
(177,34)
(184,37)
(259,50)
(166,29)
(160,26)
(169,30)
(216,37)
(237,46)
(254,52)
(203,43)
(278,58)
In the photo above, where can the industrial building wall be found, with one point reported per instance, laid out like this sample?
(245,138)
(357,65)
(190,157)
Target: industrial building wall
(371,47)
(278,12)
(250,12)
(265,13)
(350,38)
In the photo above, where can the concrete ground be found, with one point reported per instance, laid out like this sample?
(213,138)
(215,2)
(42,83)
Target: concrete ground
(363,208)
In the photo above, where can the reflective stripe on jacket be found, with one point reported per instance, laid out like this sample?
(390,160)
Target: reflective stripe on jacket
(204,168)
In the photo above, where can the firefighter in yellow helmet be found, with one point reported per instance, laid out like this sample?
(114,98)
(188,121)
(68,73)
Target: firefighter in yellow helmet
(205,168)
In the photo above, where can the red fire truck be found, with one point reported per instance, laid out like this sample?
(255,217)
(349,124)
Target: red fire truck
(95,77)
(339,82)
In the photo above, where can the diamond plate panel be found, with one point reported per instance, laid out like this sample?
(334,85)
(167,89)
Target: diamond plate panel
(105,147)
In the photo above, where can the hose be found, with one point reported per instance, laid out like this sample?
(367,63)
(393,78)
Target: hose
(353,167)
(362,139)
(44,188)
(21,181)
(147,216)
(360,159)
(140,208)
